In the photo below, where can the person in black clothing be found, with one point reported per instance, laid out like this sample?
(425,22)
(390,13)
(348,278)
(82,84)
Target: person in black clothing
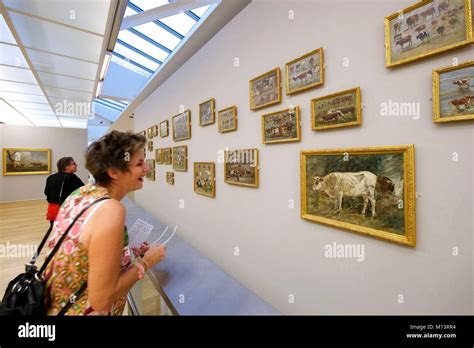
(60,185)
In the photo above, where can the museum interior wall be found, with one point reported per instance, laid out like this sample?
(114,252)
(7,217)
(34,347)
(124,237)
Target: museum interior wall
(257,234)
(63,142)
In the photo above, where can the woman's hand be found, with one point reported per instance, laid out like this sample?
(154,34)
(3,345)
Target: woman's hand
(155,254)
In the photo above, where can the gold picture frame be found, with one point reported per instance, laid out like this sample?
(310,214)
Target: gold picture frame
(453,88)
(207,112)
(149,132)
(159,156)
(284,128)
(305,74)
(259,93)
(150,175)
(391,212)
(164,129)
(323,111)
(205,178)
(241,167)
(180,158)
(149,145)
(181,126)
(227,119)
(166,155)
(170,178)
(434,26)
(26,161)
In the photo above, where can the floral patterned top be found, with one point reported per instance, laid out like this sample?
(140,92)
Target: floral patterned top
(69,268)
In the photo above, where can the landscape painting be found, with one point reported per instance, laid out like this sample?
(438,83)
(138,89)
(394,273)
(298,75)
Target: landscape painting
(21,161)
(265,89)
(227,119)
(336,110)
(180,158)
(305,72)
(206,112)
(427,28)
(204,178)
(241,167)
(366,190)
(181,125)
(281,126)
(453,93)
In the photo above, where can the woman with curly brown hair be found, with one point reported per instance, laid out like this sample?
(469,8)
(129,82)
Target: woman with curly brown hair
(93,264)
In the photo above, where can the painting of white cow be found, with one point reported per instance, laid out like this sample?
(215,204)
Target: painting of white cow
(366,190)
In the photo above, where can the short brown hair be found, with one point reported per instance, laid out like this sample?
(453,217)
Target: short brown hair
(63,163)
(113,150)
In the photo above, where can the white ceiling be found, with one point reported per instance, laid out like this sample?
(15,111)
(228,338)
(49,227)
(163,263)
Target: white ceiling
(50,55)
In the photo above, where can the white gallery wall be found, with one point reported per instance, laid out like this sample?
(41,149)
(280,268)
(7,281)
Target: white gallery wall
(63,142)
(281,257)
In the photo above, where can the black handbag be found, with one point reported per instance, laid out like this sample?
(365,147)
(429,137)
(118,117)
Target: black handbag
(25,293)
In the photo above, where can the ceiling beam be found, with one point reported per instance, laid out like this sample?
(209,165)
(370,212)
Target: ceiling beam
(171,9)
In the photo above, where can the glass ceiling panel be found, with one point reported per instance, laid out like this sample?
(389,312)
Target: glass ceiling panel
(159,35)
(142,45)
(16,74)
(5,34)
(180,22)
(149,4)
(130,66)
(8,96)
(201,10)
(73,122)
(136,57)
(6,86)
(11,55)
(11,116)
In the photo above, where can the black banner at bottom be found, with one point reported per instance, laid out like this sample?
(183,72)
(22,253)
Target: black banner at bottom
(341,330)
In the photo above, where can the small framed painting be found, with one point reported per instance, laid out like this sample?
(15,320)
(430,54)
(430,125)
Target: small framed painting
(206,112)
(180,158)
(281,126)
(159,156)
(149,132)
(305,72)
(204,178)
(181,125)
(150,175)
(265,89)
(26,161)
(150,145)
(453,93)
(341,109)
(170,178)
(241,167)
(164,129)
(166,155)
(227,119)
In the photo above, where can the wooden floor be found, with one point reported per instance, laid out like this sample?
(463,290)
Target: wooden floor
(20,223)
(25,223)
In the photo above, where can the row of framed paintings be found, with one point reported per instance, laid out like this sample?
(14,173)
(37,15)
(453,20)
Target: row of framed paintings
(367,190)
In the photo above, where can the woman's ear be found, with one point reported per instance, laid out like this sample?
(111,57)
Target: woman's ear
(113,173)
